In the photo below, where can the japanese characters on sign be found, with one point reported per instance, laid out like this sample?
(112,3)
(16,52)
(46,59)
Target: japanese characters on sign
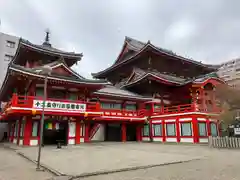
(57,105)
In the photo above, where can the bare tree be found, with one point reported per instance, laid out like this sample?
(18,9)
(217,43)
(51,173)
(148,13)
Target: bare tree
(229,101)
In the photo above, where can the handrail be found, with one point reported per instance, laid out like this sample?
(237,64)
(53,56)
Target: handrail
(27,101)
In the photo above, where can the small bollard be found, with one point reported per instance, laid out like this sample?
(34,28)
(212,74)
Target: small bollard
(59,145)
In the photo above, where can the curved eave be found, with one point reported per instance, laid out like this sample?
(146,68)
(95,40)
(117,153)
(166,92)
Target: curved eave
(52,51)
(114,66)
(122,96)
(157,78)
(212,80)
(82,81)
(36,48)
(101,74)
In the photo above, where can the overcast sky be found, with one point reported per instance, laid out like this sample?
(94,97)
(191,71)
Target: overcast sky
(205,30)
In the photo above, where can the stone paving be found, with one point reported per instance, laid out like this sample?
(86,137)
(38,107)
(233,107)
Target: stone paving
(101,157)
(201,162)
(224,166)
(14,167)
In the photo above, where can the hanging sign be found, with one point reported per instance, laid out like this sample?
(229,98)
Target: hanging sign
(237,131)
(57,105)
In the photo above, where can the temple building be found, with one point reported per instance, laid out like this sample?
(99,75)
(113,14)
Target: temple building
(147,94)
(184,107)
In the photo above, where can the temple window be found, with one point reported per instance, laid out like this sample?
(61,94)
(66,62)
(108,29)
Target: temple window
(146,130)
(186,129)
(39,91)
(132,107)
(110,105)
(157,129)
(213,127)
(11,44)
(35,129)
(8,57)
(73,96)
(171,129)
(202,129)
(57,94)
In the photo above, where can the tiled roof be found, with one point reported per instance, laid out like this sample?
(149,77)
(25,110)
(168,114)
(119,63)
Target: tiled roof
(35,71)
(137,47)
(50,48)
(114,91)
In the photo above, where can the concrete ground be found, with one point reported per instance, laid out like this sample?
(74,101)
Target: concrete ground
(217,168)
(102,157)
(144,161)
(14,167)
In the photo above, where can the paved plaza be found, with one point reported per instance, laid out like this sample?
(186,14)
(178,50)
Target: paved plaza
(140,161)
(102,157)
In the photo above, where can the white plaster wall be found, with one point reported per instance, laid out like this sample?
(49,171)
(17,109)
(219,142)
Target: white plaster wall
(20,142)
(71,141)
(157,139)
(99,135)
(145,139)
(15,140)
(3,128)
(171,139)
(188,140)
(203,140)
(72,129)
(33,142)
(81,140)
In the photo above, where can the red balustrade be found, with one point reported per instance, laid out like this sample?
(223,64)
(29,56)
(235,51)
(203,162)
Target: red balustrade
(27,102)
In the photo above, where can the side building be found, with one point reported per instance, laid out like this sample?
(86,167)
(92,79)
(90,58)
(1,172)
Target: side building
(8,47)
(230,72)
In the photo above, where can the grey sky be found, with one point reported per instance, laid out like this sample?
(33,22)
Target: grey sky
(206,30)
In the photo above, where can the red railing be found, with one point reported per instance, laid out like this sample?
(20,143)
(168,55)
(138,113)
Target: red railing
(27,102)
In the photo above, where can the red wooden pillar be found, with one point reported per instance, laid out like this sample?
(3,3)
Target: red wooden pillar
(195,130)
(86,137)
(139,132)
(77,135)
(163,131)
(27,131)
(208,127)
(178,129)
(19,131)
(124,132)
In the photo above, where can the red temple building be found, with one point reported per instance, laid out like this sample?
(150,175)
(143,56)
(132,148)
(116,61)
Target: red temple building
(147,94)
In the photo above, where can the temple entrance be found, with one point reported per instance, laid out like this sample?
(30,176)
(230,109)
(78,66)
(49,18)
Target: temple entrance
(131,132)
(53,134)
(113,132)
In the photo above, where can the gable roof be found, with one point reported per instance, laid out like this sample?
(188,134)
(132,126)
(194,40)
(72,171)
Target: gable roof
(61,63)
(137,48)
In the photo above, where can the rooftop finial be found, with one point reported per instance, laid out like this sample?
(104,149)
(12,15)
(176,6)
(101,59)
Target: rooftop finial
(46,42)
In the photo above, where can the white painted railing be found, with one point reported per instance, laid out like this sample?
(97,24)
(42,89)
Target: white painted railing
(224,142)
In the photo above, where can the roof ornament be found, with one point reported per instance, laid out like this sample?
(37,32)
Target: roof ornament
(46,42)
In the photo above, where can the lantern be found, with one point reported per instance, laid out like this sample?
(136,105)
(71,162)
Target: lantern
(34,111)
(86,114)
